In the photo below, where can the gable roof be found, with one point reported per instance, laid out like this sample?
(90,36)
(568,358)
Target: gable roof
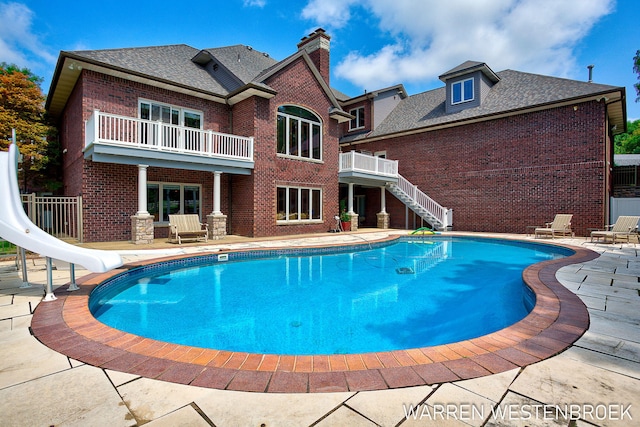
(470,67)
(515,92)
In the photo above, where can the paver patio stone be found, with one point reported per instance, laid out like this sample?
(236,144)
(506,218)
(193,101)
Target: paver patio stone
(150,399)
(231,408)
(344,416)
(492,387)
(520,411)
(605,361)
(386,407)
(24,358)
(564,380)
(467,406)
(624,349)
(185,416)
(63,399)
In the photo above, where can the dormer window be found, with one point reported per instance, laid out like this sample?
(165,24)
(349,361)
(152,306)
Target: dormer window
(462,91)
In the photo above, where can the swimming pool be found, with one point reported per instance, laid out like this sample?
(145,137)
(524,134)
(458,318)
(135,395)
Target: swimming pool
(383,297)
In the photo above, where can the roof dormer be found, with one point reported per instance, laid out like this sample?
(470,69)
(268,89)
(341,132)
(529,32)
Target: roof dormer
(467,85)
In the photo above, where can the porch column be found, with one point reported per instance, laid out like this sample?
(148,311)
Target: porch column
(142,221)
(354,216)
(216,194)
(142,190)
(383,216)
(216,221)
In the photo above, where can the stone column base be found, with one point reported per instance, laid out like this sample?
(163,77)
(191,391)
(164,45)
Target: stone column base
(354,222)
(142,229)
(217,226)
(383,220)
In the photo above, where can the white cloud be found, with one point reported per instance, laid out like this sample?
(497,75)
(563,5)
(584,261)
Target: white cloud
(256,3)
(18,43)
(428,37)
(329,13)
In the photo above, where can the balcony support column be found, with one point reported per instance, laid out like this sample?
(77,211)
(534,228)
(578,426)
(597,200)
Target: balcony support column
(142,190)
(382,216)
(142,222)
(216,220)
(354,216)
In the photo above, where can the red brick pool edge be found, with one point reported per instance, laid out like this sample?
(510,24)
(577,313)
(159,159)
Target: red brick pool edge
(558,319)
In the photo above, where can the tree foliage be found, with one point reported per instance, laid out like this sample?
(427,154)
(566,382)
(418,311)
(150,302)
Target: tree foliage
(22,109)
(628,143)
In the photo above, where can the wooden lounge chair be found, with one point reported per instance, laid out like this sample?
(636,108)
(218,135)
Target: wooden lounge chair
(187,227)
(561,226)
(622,230)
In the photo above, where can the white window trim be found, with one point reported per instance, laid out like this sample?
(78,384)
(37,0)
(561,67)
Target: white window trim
(288,214)
(286,132)
(180,109)
(160,185)
(354,112)
(461,83)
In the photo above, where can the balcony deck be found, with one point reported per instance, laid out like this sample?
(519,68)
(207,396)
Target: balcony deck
(364,169)
(112,138)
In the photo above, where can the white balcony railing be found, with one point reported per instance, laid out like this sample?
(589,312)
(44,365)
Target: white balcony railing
(358,162)
(111,129)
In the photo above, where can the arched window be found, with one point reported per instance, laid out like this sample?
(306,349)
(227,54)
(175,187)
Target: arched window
(299,133)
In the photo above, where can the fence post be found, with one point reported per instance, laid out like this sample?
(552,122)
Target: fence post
(79,222)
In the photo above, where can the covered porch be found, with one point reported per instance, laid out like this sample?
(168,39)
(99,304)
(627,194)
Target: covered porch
(359,169)
(115,139)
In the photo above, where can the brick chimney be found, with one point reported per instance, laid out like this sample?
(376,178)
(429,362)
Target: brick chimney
(316,45)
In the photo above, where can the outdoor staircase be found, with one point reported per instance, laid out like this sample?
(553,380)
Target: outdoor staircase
(439,217)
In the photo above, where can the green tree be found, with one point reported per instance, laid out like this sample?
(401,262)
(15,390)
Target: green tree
(629,142)
(22,109)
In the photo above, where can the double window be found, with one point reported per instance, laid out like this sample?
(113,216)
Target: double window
(462,91)
(298,204)
(165,198)
(173,137)
(358,118)
(299,133)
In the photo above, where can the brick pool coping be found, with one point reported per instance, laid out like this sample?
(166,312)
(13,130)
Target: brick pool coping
(558,319)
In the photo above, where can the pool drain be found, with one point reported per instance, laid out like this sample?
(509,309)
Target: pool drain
(296,324)
(405,270)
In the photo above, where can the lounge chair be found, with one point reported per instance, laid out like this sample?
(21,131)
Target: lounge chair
(622,230)
(187,227)
(561,226)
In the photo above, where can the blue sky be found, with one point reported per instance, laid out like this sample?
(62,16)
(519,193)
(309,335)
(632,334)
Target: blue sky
(374,43)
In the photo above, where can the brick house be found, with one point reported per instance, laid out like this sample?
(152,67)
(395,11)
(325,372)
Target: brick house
(259,147)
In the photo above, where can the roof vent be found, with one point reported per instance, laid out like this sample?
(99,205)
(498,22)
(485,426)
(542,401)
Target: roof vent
(590,67)
(249,48)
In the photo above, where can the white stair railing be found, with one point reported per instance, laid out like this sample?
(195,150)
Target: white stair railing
(422,204)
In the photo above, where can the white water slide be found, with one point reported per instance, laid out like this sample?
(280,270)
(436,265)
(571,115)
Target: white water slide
(17,228)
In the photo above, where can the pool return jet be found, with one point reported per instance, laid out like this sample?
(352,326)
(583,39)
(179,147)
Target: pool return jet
(17,228)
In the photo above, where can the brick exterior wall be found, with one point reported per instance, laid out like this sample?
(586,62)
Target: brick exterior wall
(505,174)
(295,86)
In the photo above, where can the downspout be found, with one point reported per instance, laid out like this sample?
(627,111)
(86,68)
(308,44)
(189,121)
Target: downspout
(608,189)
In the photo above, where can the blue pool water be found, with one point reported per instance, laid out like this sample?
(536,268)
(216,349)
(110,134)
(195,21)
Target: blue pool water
(403,295)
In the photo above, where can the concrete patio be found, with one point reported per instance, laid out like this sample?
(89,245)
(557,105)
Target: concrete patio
(596,379)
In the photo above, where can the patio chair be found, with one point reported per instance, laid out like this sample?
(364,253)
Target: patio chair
(561,226)
(622,230)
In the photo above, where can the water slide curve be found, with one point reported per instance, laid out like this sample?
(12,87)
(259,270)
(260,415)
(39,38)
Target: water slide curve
(17,228)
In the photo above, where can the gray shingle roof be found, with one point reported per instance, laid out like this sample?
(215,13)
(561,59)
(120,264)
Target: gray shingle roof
(515,90)
(244,62)
(171,63)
